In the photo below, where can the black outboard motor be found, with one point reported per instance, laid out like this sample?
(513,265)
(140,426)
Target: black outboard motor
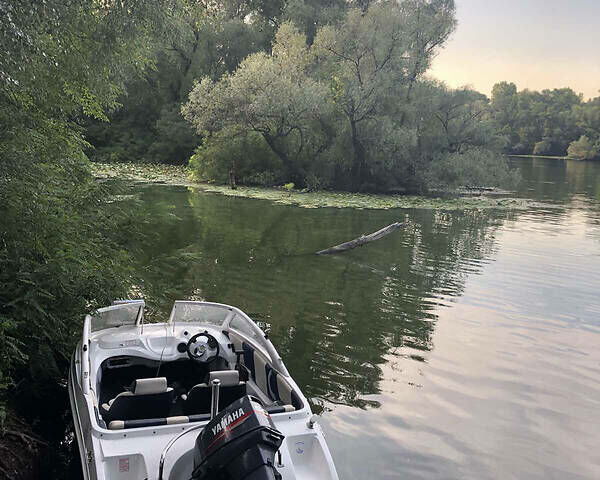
(239,443)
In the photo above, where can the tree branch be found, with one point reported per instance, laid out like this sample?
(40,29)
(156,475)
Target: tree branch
(363,239)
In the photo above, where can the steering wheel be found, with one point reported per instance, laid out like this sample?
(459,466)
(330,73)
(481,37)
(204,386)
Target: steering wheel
(204,351)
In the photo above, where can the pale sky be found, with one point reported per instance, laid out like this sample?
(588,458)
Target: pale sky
(536,44)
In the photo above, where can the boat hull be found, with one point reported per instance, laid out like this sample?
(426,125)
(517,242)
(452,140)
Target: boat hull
(119,452)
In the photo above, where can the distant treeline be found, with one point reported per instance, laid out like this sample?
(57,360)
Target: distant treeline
(551,122)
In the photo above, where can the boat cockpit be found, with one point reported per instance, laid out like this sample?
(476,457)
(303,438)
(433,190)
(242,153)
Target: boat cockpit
(151,374)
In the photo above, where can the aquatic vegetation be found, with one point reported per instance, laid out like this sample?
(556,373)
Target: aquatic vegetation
(363,201)
(143,172)
(177,175)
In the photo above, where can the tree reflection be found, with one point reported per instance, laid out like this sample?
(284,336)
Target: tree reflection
(333,319)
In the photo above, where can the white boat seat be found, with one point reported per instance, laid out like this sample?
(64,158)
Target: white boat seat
(271,382)
(199,397)
(147,398)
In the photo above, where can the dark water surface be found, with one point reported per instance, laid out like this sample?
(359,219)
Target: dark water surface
(466,346)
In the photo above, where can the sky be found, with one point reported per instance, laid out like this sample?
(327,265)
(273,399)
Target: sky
(536,44)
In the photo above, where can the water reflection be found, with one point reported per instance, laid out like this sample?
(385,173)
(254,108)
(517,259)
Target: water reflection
(558,180)
(334,319)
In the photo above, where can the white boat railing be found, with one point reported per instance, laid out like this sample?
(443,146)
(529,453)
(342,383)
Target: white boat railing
(85,355)
(258,336)
(226,317)
(163,455)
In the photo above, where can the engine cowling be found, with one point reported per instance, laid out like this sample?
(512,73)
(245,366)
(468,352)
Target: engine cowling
(239,443)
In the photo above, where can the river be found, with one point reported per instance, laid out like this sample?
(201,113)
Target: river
(463,347)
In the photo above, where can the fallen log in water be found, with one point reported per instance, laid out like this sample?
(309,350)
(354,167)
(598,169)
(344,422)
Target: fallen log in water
(357,242)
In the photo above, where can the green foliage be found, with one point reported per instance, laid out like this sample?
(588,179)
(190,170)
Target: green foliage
(475,167)
(205,41)
(60,252)
(268,95)
(544,147)
(58,256)
(542,123)
(587,117)
(352,110)
(584,149)
(244,153)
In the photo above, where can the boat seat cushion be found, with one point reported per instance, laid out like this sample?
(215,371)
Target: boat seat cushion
(198,400)
(270,382)
(228,378)
(147,398)
(280,389)
(147,386)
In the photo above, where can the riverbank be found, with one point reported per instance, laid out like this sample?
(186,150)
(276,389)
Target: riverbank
(550,157)
(179,175)
(22,449)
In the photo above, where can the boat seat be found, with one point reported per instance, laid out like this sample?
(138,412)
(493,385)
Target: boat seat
(198,399)
(147,398)
(280,389)
(269,380)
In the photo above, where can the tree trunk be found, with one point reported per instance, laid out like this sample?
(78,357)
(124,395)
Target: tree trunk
(232,176)
(358,170)
(294,172)
(357,242)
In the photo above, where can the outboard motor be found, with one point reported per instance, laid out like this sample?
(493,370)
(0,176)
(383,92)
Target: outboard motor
(239,443)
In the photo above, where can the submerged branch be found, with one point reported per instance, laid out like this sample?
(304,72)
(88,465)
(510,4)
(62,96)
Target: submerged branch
(357,242)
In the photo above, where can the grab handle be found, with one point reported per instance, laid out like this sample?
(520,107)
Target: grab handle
(214,405)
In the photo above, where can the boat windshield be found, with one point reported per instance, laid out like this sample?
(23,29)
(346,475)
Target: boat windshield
(116,316)
(247,327)
(192,312)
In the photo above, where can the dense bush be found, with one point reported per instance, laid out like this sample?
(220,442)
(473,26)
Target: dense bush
(60,238)
(244,154)
(473,168)
(584,149)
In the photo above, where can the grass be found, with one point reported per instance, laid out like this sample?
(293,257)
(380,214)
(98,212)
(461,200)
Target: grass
(178,175)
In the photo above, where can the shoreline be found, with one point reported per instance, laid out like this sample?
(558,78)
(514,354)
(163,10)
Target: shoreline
(549,157)
(179,176)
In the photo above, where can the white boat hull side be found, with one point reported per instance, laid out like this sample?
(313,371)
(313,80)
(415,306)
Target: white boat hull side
(79,413)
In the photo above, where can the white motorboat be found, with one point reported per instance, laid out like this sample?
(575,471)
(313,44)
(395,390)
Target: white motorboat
(204,395)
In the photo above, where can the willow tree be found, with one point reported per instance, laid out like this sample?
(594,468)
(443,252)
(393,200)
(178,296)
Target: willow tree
(372,61)
(272,95)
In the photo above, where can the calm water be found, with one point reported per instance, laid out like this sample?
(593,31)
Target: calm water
(465,346)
